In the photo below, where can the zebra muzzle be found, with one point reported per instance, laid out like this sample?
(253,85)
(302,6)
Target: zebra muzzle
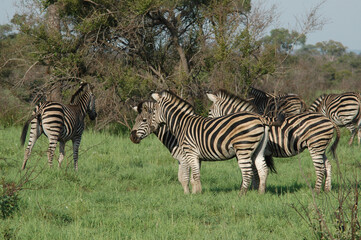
(134,138)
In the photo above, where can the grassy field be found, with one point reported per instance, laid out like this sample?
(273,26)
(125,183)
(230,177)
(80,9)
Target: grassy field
(128,191)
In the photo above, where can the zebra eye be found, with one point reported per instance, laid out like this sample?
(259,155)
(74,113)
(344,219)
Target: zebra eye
(144,120)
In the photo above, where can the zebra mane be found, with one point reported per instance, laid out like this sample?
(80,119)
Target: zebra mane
(224,93)
(140,105)
(81,88)
(171,93)
(259,93)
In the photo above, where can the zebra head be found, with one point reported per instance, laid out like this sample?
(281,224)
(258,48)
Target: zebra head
(215,110)
(145,121)
(86,100)
(91,110)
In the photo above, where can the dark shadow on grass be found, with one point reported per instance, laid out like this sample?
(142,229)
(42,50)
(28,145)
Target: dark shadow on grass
(273,189)
(282,189)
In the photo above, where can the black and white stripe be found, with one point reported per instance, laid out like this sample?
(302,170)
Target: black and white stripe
(271,105)
(243,135)
(145,125)
(306,130)
(343,109)
(229,103)
(60,123)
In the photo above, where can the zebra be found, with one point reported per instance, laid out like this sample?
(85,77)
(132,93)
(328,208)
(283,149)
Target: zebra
(343,109)
(60,123)
(298,132)
(271,105)
(243,135)
(145,125)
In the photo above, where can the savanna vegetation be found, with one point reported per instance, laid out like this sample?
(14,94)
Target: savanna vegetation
(126,49)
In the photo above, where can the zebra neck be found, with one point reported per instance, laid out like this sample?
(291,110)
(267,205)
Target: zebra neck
(176,118)
(83,104)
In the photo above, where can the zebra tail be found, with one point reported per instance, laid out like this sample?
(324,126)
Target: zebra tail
(25,129)
(335,143)
(270,163)
(268,159)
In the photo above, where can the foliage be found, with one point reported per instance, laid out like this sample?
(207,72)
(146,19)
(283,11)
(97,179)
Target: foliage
(331,48)
(9,199)
(284,40)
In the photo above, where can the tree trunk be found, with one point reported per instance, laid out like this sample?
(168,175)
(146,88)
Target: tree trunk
(53,30)
(53,20)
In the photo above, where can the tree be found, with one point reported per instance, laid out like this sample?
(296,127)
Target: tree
(284,40)
(331,49)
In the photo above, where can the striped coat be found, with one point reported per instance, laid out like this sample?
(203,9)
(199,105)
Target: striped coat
(306,130)
(60,123)
(343,109)
(243,135)
(271,105)
(145,125)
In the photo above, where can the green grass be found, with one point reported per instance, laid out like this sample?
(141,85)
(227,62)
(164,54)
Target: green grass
(128,191)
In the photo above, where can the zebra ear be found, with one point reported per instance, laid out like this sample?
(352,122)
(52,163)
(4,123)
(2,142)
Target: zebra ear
(135,108)
(212,97)
(156,96)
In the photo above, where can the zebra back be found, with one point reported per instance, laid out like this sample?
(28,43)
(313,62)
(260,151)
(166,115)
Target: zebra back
(225,103)
(343,109)
(271,105)
(230,102)
(180,118)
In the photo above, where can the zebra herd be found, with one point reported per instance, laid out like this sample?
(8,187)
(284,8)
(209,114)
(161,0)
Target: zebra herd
(192,139)
(253,130)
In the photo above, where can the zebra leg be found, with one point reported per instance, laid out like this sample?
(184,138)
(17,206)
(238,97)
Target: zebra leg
(35,133)
(183,168)
(62,152)
(319,164)
(194,164)
(183,176)
(260,162)
(328,174)
(353,131)
(52,146)
(255,178)
(245,164)
(193,182)
(262,170)
(76,144)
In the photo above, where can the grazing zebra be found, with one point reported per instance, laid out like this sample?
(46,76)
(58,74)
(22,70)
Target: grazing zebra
(305,130)
(145,125)
(243,135)
(270,105)
(60,123)
(343,109)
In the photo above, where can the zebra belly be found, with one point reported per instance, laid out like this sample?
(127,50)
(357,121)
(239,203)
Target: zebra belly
(217,155)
